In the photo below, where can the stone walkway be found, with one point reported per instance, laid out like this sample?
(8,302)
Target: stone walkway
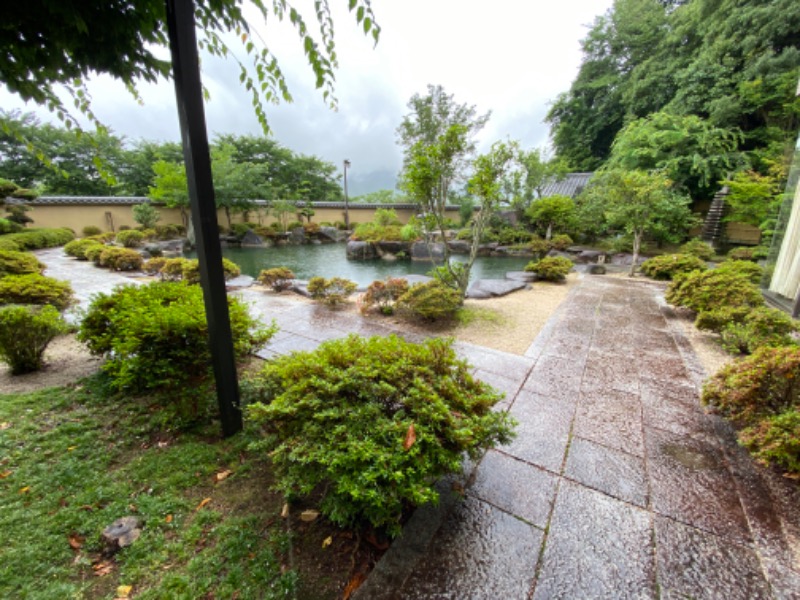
(618,485)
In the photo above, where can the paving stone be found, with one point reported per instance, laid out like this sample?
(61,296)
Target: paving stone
(612,418)
(525,491)
(495,361)
(680,419)
(690,482)
(479,552)
(606,370)
(696,564)
(610,471)
(294,343)
(504,385)
(677,391)
(662,367)
(597,547)
(555,377)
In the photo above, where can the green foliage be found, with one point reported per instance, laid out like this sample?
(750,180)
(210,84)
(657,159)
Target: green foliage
(172,269)
(742,253)
(775,440)
(372,232)
(539,247)
(154,265)
(718,319)
(92,252)
(754,198)
(758,328)
(145,215)
(411,231)
(746,268)
(383,295)
(699,248)
(703,291)
(8,245)
(78,248)
(551,268)
(169,232)
(430,301)
(278,278)
(91,230)
(385,217)
(667,266)
(453,275)
(36,239)
(7,226)
(18,263)
(554,213)
(332,292)
(191,270)
(374,423)
(25,332)
(155,336)
(33,288)
(561,241)
(763,384)
(131,238)
(120,259)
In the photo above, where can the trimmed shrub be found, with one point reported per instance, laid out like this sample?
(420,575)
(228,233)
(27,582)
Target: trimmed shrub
(120,259)
(36,239)
(93,253)
(775,440)
(717,320)
(665,267)
(155,336)
(191,270)
(550,268)
(372,232)
(763,384)
(130,238)
(25,332)
(539,247)
(748,269)
(373,423)
(154,265)
(383,295)
(430,301)
(34,288)
(698,248)
(742,253)
(78,248)
(18,263)
(703,291)
(294,225)
(311,228)
(106,237)
(9,245)
(91,230)
(332,291)
(279,278)
(561,241)
(758,328)
(173,269)
(168,232)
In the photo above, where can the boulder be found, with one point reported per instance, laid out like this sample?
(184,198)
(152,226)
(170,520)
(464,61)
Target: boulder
(597,269)
(251,238)
(360,250)
(522,276)
(120,534)
(332,234)
(297,236)
(490,288)
(393,247)
(420,251)
(590,256)
(459,246)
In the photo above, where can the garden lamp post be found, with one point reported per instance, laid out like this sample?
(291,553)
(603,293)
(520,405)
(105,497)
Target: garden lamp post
(346,206)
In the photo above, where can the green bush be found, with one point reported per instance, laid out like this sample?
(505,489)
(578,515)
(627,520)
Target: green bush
(540,247)
(279,278)
(240,229)
(120,259)
(372,232)
(93,252)
(172,270)
(669,265)
(751,270)
(775,440)
(154,265)
(7,226)
(716,320)
(698,248)
(703,291)
(385,217)
(105,237)
(10,245)
(155,336)
(168,232)
(36,239)
(191,270)
(758,328)
(294,225)
(25,332)
(91,230)
(130,238)
(145,215)
(550,268)
(742,253)
(383,295)
(764,384)
(561,241)
(332,291)
(373,423)
(78,248)
(311,228)
(34,288)
(18,263)
(430,301)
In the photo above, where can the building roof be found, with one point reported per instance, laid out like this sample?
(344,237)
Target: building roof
(571,185)
(131,200)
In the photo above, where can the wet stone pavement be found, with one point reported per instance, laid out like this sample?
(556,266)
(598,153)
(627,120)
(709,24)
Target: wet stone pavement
(618,485)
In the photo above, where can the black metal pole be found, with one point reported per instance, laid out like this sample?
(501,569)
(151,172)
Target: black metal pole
(189,93)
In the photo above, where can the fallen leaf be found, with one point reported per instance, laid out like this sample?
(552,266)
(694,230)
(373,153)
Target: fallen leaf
(103,568)
(71,448)
(411,437)
(4,425)
(353,585)
(25,490)
(203,502)
(222,475)
(76,541)
(168,519)
(327,541)
(285,511)
(124,591)
(5,474)
(309,515)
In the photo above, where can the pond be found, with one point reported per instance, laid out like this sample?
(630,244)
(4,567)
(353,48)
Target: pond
(330,260)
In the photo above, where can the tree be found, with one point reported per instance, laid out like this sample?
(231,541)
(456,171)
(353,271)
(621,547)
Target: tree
(145,215)
(170,187)
(236,184)
(640,203)
(536,169)
(135,173)
(431,119)
(554,212)
(282,210)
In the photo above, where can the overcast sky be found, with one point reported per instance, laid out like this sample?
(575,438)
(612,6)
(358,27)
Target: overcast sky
(508,57)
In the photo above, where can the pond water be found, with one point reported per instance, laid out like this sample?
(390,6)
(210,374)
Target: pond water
(330,260)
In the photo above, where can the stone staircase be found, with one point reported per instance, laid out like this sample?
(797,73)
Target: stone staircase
(714,227)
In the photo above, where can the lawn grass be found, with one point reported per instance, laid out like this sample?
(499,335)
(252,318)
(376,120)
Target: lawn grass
(75,459)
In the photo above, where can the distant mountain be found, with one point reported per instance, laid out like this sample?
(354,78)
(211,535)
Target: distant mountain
(358,183)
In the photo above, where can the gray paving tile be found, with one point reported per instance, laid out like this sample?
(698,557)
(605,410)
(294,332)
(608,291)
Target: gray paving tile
(554,377)
(611,370)
(610,471)
(612,418)
(597,547)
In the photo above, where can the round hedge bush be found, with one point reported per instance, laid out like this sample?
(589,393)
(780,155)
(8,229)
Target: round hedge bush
(278,278)
(665,267)
(78,248)
(430,301)
(703,291)
(551,268)
(25,332)
(18,263)
(33,288)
